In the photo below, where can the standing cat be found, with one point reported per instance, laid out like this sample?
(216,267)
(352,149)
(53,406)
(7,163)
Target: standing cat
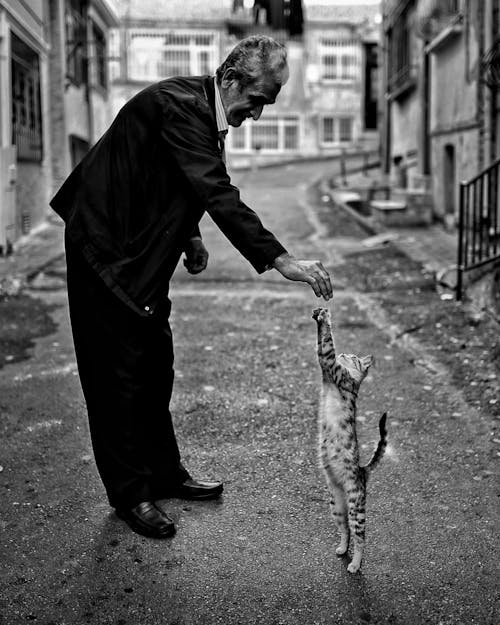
(338,444)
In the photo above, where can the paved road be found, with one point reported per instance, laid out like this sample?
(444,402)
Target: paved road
(244,405)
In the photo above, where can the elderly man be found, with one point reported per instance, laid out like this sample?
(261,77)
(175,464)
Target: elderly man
(132,208)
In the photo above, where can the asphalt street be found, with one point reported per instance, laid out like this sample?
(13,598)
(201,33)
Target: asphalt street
(244,406)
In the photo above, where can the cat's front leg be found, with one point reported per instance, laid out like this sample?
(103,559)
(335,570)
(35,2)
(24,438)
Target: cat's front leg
(326,345)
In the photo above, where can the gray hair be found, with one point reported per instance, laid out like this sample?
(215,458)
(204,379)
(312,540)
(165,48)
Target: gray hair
(254,56)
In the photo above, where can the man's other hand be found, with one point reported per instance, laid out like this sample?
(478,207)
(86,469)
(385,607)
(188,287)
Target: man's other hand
(310,271)
(196,256)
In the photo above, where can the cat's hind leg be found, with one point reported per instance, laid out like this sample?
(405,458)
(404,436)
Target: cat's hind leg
(338,509)
(356,516)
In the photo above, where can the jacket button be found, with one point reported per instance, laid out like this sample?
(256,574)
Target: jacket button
(148,310)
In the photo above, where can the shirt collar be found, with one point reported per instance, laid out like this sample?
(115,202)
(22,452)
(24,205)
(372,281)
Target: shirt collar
(220,114)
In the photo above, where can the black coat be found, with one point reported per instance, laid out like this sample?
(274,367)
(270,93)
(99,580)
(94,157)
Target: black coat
(137,196)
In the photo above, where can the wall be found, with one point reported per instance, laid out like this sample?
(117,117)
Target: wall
(26,20)
(326,97)
(454,113)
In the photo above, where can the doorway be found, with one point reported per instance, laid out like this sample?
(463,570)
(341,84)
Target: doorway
(449,186)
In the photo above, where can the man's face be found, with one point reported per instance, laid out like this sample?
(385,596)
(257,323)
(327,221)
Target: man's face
(241,103)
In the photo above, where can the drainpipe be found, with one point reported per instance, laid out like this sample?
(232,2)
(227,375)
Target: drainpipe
(480,88)
(86,61)
(387,107)
(494,139)
(426,140)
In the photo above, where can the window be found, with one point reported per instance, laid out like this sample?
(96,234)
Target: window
(99,57)
(370,97)
(328,134)
(269,134)
(339,59)
(334,130)
(26,109)
(238,138)
(76,41)
(265,136)
(401,62)
(114,58)
(154,55)
(345,129)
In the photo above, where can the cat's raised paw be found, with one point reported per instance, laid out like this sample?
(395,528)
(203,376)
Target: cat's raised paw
(341,550)
(321,314)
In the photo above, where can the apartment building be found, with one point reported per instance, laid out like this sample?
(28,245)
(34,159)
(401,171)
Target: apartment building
(440,104)
(80,104)
(53,100)
(329,103)
(24,113)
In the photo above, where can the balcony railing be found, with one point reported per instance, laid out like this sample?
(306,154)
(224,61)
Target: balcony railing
(479,223)
(491,66)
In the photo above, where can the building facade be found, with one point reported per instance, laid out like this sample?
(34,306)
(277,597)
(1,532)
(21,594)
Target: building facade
(24,118)
(80,110)
(440,122)
(53,100)
(326,106)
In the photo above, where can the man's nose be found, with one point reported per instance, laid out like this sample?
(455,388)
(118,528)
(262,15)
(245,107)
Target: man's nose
(256,112)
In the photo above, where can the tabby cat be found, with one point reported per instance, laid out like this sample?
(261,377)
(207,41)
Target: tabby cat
(338,445)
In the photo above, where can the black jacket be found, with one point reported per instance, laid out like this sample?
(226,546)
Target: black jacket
(137,196)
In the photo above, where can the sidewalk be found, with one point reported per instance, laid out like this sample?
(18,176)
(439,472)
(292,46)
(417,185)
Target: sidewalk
(31,254)
(432,246)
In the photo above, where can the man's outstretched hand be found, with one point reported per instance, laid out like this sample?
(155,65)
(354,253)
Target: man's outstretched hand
(196,256)
(310,271)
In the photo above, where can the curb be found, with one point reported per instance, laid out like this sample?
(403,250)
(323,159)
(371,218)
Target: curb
(32,254)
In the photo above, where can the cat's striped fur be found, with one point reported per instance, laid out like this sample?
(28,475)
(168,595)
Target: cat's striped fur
(338,445)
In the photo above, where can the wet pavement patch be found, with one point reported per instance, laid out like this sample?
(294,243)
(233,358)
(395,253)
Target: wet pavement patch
(385,268)
(24,319)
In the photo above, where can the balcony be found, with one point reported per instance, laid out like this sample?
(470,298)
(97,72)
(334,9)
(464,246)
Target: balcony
(242,24)
(449,31)
(402,82)
(491,66)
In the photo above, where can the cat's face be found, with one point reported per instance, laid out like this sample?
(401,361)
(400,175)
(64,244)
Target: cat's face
(357,367)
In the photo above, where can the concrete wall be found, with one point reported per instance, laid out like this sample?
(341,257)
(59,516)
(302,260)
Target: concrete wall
(326,97)
(455,124)
(304,96)
(77,110)
(33,185)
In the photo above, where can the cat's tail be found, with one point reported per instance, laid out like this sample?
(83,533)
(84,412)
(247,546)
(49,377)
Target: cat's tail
(381,446)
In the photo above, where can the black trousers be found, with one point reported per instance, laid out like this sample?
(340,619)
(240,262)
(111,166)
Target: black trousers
(125,363)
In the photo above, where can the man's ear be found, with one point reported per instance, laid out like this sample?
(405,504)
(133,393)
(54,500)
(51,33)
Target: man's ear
(228,77)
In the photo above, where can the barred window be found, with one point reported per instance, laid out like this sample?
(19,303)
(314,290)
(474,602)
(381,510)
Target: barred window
(345,129)
(76,42)
(339,59)
(328,130)
(270,134)
(401,61)
(238,139)
(265,135)
(334,130)
(99,57)
(155,55)
(26,108)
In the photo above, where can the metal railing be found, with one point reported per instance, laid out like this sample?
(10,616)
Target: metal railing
(478,223)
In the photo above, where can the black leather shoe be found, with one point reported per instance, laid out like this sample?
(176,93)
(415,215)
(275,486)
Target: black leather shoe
(148,520)
(194,489)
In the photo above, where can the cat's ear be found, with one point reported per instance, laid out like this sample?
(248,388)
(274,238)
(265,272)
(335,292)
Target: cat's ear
(367,362)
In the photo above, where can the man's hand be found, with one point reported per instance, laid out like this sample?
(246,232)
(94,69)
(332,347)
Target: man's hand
(310,271)
(196,256)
